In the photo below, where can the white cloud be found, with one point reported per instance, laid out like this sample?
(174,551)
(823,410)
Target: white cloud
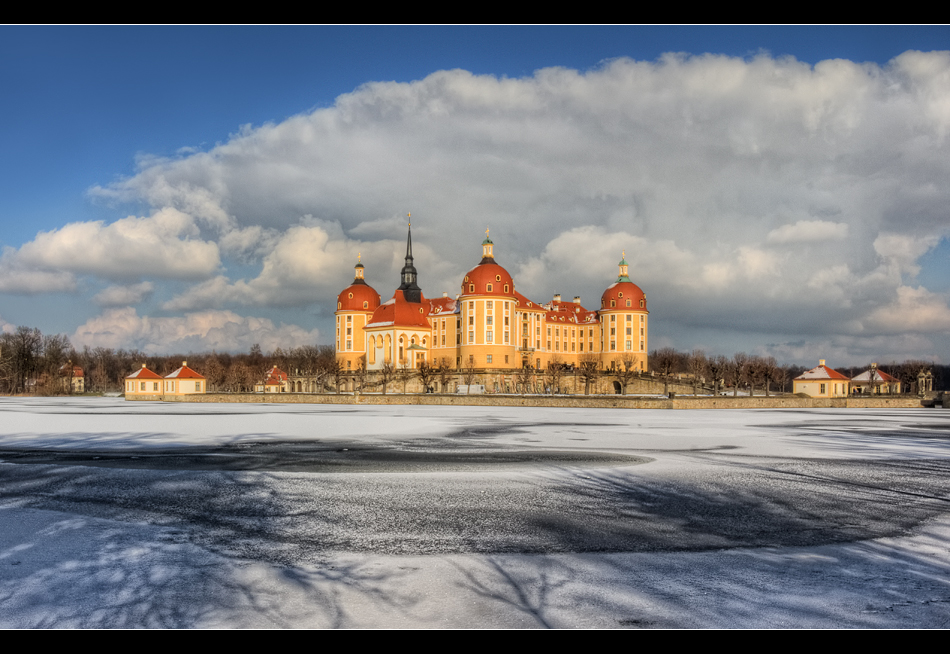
(903,250)
(761,192)
(6,327)
(114,296)
(199,331)
(19,279)
(913,310)
(163,245)
(805,231)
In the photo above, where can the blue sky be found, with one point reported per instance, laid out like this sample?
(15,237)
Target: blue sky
(92,116)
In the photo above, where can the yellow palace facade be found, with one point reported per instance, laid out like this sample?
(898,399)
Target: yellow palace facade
(489,325)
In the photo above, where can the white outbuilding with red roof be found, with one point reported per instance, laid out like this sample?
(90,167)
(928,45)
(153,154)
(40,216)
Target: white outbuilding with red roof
(185,381)
(822,382)
(143,382)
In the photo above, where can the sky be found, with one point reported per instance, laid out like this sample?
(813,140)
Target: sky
(777,190)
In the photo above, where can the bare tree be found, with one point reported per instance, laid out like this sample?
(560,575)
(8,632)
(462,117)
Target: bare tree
(386,374)
(524,377)
(361,374)
(555,371)
(468,374)
(665,361)
(698,367)
(737,367)
(589,364)
(624,371)
(443,372)
(426,374)
(767,367)
(404,373)
(717,366)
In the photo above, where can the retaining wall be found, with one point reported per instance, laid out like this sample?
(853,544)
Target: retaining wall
(581,401)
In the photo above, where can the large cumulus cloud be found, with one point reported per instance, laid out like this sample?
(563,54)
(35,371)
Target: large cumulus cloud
(760,196)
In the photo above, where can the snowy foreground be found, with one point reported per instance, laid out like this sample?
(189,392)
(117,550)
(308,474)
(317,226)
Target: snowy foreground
(116,514)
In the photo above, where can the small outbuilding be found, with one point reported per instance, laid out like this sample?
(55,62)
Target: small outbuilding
(275,382)
(822,382)
(875,382)
(143,382)
(185,381)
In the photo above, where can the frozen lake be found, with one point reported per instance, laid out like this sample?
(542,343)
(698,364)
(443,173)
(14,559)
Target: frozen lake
(119,514)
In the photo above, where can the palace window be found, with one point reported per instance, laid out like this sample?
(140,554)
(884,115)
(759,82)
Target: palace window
(488,320)
(582,347)
(488,337)
(487,358)
(349,319)
(613,303)
(488,304)
(488,288)
(629,345)
(365,304)
(629,303)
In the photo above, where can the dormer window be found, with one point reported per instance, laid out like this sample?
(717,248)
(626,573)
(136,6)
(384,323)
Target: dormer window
(471,288)
(613,303)
(506,288)
(629,303)
(488,288)
(365,304)
(641,303)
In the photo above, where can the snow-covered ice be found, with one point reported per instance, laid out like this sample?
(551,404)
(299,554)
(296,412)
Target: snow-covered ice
(470,516)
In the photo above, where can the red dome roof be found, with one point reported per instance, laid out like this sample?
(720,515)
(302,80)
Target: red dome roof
(478,279)
(353,297)
(620,293)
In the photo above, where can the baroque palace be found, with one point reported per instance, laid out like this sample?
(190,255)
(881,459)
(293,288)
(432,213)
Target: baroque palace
(489,326)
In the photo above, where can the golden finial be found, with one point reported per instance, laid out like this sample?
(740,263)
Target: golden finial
(409,216)
(623,254)
(486,232)
(359,257)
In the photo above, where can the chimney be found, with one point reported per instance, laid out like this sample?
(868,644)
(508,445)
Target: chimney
(184,363)
(821,362)
(557,297)
(445,293)
(577,299)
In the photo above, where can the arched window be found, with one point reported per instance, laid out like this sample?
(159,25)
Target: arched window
(506,288)
(641,303)
(471,288)
(339,305)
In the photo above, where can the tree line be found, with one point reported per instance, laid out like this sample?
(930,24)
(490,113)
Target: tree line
(31,362)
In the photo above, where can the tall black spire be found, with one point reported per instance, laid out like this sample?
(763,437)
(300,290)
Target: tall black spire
(410,289)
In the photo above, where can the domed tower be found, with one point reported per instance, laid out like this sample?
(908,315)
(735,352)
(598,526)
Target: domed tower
(354,306)
(623,320)
(487,314)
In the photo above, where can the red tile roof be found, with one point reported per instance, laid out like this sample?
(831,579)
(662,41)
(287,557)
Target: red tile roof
(143,373)
(184,373)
